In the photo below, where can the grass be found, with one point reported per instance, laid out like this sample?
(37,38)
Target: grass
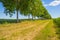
(57,23)
(27,30)
(48,33)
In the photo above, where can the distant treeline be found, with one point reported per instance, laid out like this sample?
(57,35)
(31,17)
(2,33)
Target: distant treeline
(2,21)
(7,21)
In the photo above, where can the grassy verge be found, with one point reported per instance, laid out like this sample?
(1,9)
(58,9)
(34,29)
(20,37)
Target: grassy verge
(57,24)
(48,33)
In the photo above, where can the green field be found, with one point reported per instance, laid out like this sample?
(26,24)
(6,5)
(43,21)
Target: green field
(28,30)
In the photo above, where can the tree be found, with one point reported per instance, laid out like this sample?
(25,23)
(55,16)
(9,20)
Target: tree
(9,6)
(25,7)
(15,5)
(45,14)
(35,7)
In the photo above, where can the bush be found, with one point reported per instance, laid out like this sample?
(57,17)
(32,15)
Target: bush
(57,21)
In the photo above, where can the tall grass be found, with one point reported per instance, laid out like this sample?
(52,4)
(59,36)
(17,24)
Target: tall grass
(57,22)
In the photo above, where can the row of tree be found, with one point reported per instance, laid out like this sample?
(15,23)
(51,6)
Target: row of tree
(26,8)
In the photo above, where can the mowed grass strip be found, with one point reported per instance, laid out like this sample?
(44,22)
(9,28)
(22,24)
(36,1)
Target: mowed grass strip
(7,29)
(17,25)
(34,32)
(24,35)
(10,33)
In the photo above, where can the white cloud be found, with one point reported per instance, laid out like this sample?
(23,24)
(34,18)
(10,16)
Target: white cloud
(53,3)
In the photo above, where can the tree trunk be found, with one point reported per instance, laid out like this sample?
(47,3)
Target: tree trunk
(28,16)
(32,17)
(17,11)
(17,16)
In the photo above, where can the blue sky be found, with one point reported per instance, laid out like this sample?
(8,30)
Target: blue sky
(53,7)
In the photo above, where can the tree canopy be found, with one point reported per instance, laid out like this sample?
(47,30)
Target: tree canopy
(25,7)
